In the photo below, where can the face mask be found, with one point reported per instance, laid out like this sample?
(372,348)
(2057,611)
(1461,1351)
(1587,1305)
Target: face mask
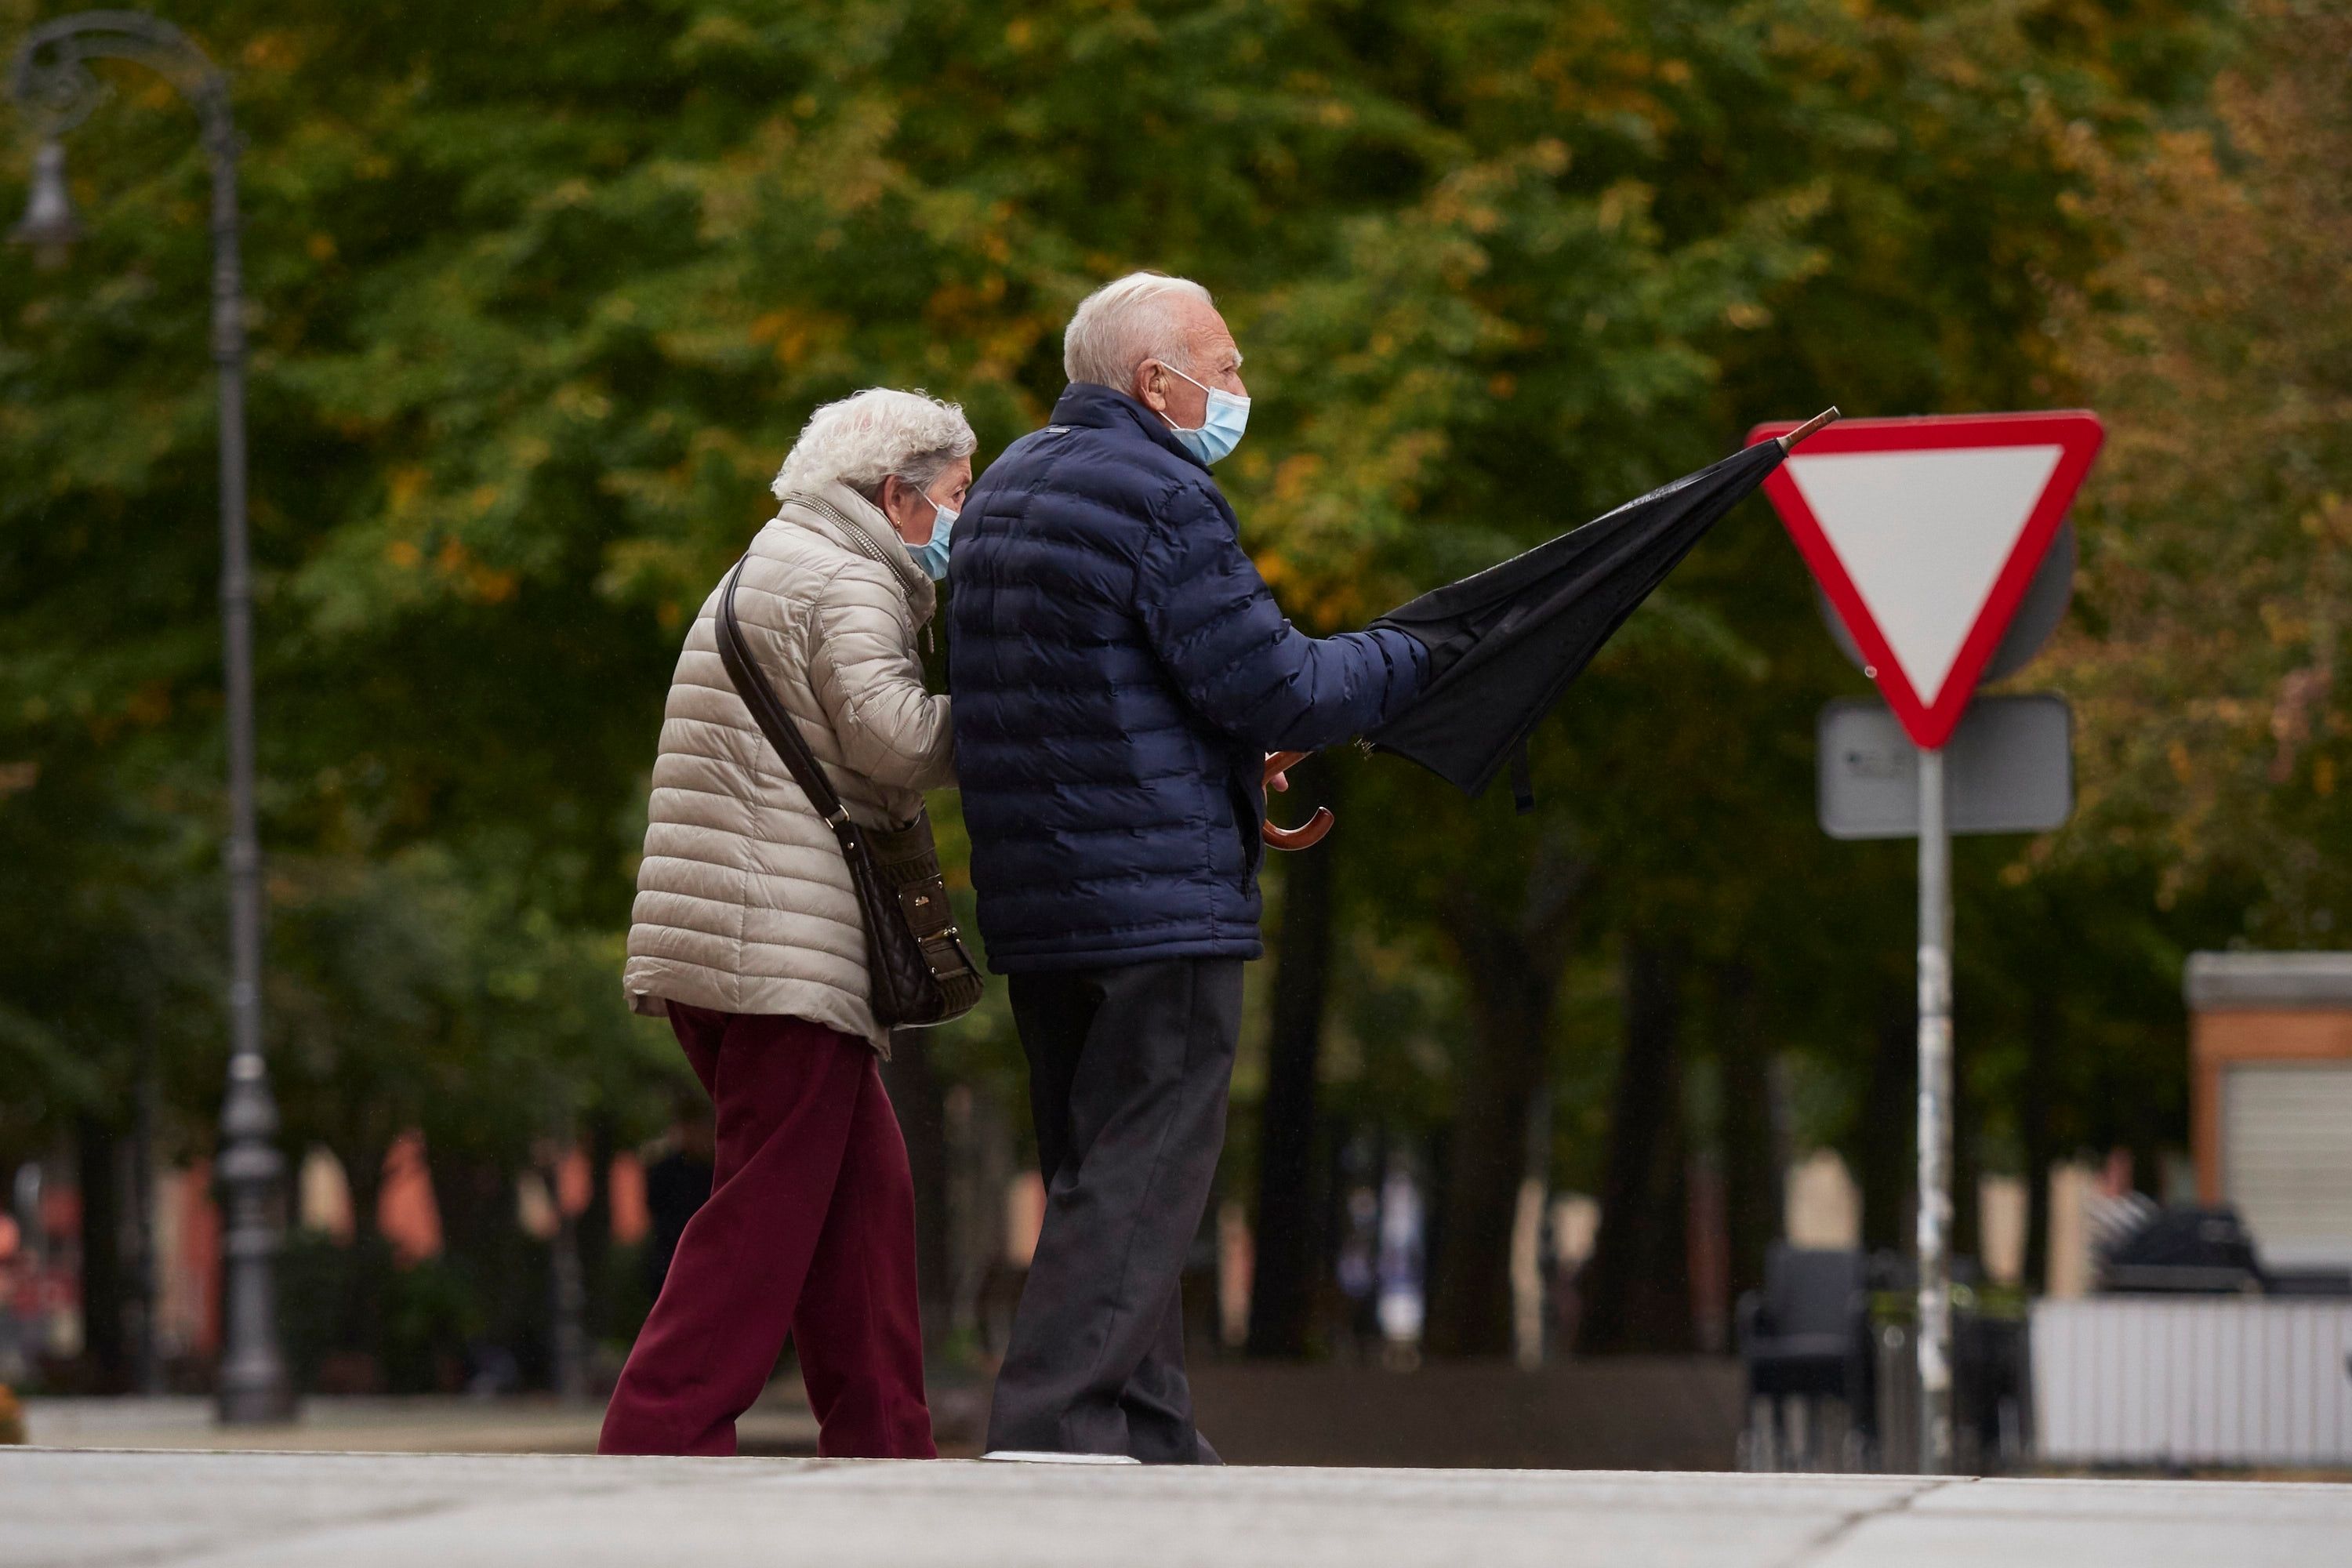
(933,557)
(1221,427)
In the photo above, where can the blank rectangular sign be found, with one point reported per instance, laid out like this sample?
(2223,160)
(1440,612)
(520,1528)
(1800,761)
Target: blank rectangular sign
(2009,768)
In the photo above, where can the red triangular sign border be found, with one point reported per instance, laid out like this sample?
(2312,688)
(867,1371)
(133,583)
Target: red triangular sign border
(2077,433)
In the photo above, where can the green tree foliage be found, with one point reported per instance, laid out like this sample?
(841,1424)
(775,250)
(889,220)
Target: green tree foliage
(2218,340)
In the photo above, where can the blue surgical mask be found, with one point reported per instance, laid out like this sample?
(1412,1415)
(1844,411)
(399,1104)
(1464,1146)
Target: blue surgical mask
(1221,426)
(932,557)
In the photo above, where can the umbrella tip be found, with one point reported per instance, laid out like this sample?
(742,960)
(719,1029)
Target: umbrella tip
(1829,416)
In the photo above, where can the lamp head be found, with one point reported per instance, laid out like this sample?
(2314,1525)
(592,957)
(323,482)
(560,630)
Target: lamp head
(48,224)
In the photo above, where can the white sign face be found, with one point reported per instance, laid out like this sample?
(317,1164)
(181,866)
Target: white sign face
(1923,535)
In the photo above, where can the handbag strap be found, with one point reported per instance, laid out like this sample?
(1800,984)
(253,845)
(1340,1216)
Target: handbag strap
(768,712)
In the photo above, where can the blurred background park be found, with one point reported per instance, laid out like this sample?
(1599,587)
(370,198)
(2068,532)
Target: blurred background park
(541,292)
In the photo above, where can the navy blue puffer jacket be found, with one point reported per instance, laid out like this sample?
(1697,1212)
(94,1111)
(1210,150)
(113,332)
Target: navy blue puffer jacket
(1119,670)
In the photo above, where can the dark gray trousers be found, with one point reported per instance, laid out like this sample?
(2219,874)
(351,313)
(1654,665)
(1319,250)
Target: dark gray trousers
(1129,1069)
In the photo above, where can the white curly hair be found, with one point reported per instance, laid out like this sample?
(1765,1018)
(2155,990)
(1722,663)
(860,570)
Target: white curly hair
(869,435)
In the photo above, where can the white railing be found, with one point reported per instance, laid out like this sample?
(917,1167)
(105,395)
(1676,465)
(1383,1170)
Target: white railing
(2221,1380)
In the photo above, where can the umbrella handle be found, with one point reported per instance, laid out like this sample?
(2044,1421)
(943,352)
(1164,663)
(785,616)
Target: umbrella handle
(1307,834)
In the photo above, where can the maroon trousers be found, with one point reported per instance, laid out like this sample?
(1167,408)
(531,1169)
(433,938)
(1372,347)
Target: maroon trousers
(810,1231)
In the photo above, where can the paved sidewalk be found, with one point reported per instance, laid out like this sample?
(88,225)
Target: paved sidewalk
(388,1425)
(83,1510)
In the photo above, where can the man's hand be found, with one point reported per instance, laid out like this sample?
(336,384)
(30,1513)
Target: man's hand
(1306,833)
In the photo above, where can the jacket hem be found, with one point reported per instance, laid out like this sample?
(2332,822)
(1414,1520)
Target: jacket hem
(763,994)
(1116,955)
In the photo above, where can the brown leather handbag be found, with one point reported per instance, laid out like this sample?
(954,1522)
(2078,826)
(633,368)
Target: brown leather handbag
(921,973)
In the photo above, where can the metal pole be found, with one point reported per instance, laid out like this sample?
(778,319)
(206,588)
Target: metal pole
(1935,1132)
(253,1382)
(52,82)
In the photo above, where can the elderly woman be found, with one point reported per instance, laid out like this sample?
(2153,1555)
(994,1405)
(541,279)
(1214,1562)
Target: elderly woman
(746,936)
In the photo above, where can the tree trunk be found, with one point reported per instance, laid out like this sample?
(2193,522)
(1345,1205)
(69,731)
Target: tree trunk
(1288,1240)
(507,1276)
(1752,1156)
(1967,1164)
(594,1234)
(567,1308)
(1511,951)
(146,1355)
(102,1277)
(1511,994)
(361,1318)
(2038,1128)
(916,1095)
(1883,1164)
(1636,1290)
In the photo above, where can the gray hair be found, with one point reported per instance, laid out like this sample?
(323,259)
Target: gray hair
(1120,325)
(870,436)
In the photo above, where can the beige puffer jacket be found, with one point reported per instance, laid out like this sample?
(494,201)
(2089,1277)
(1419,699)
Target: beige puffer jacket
(743,901)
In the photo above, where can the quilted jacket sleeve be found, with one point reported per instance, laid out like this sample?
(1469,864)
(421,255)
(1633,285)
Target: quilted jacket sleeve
(891,729)
(1215,627)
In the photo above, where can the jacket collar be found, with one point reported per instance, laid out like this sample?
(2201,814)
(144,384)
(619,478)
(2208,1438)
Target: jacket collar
(843,518)
(1105,409)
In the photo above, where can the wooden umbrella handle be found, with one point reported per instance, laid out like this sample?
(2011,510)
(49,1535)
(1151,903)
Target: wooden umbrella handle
(1307,834)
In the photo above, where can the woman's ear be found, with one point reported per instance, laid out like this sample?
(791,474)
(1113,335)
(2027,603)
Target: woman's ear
(909,513)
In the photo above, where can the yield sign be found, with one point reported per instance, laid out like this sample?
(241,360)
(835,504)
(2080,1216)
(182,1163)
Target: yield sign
(1924,534)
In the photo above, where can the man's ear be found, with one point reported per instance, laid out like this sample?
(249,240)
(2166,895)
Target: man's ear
(1151,386)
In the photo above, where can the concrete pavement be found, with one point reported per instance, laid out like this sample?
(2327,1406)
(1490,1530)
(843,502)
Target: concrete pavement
(84,1509)
(386,1424)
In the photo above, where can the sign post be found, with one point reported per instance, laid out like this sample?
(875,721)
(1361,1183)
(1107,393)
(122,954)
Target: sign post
(1925,536)
(2006,769)
(1933,1237)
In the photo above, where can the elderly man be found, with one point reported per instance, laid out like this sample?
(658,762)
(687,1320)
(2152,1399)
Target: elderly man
(1120,672)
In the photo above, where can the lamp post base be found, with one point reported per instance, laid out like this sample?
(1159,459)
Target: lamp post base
(253,1385)
(261,1397)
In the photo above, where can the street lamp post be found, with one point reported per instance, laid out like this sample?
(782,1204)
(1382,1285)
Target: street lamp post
(52,84)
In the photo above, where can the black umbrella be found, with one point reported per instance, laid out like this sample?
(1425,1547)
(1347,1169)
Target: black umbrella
(1505,644)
